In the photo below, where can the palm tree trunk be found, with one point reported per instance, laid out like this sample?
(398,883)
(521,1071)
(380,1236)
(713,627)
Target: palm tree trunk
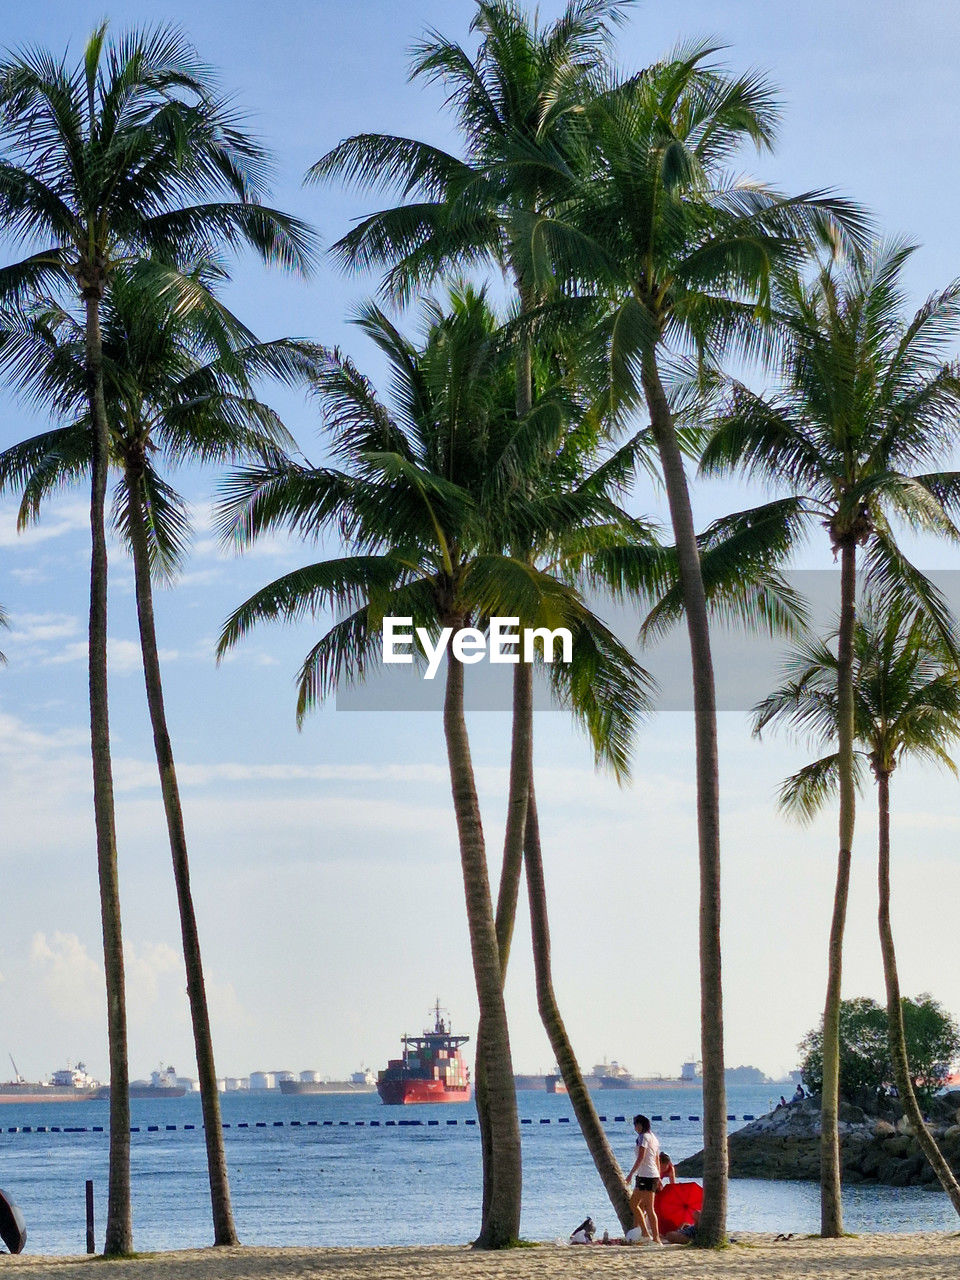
(224,1230)
(831,1203)
(895,1030)
(713,1222)
(521,767)
(119,1230)
(501,1224)
(606,1162)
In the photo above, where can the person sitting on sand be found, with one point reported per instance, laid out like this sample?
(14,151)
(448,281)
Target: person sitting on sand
(646,1167)
(684,1234)
(584,1233)
(667,1171)
(799,1095)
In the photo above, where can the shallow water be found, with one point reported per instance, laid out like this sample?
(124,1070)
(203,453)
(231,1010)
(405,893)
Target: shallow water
(351,1181)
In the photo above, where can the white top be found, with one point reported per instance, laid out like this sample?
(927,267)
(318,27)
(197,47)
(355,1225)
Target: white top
(648,1148)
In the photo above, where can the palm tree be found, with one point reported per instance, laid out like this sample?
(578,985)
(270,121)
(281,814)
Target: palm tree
(519,106)
(432,487)
(176,386)
(906,692)
(863,402)
(579,463)
(104,162)
(679,253)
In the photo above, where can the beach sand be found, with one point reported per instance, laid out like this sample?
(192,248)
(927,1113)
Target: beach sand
(755,1257)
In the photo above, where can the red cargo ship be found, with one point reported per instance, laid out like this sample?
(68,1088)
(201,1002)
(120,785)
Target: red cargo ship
(431,1069)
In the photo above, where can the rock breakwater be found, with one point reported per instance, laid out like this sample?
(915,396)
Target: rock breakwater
(873,1149)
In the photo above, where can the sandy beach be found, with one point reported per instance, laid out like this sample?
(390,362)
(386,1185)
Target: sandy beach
(906,1257)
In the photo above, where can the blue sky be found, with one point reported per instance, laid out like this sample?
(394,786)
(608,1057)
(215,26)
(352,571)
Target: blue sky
(325,862)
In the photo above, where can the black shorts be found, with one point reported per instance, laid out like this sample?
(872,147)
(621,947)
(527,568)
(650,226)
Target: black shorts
(646,1184)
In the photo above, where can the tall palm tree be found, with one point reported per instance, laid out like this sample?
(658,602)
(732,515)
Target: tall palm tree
(906,694)
(578,463)
(177,387)
(518,101)
(130,150)
(426,498)
(864,405)
(679,253)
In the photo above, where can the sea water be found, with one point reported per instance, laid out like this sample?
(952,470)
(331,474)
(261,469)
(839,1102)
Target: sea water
(333,1170)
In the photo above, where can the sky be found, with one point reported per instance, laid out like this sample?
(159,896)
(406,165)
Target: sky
(325,864)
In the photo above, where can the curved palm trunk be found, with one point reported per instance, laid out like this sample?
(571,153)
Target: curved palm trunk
(831,1203)
(225,1232)
(713,1222)
(895,1029)
(521,766)
(119,1230)
(501,1223)
(600,1150)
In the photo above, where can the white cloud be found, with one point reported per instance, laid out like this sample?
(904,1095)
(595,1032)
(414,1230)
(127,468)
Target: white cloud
(25,745)
(226,1009)
(123,656)
(146,967)
(59,519)
(131,774)
(37,628)
(30,576)
(68,977)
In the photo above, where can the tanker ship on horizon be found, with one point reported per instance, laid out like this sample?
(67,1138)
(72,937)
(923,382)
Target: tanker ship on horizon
(431,1069)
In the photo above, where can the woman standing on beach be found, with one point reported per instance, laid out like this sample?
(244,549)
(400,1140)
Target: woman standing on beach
(646,1168)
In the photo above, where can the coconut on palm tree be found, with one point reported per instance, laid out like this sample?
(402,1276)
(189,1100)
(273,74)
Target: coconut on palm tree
(177,388)
(906,705)
(432,490)
(863,408)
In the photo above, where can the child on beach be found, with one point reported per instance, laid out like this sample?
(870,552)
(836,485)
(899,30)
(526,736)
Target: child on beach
(646,1169)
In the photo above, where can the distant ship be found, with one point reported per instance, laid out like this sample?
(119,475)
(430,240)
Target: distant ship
(162,1084)
(612,1075)
(362,1081)
(538,1083)
(431,1069)
(70,1084)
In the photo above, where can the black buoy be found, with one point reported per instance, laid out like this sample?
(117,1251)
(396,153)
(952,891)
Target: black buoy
(13,1231)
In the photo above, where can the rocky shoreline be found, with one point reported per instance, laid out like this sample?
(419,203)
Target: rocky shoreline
(879,1148)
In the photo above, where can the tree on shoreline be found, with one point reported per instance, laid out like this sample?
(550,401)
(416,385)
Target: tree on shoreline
(103,162)
(932,1039)
(432,494)
(518,104)
(864,404)
(679,253)
(177,387)
(906,704)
